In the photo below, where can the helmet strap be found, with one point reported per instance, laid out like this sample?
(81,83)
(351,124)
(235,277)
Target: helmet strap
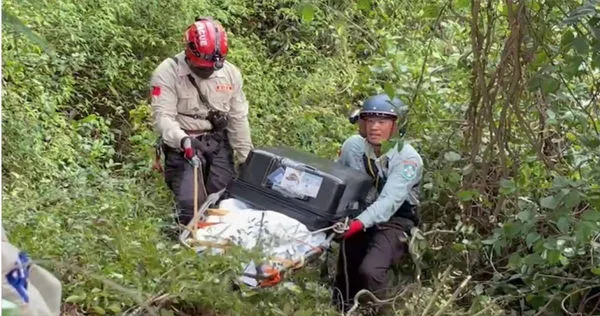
(362,128)
(394,130)
(217,53)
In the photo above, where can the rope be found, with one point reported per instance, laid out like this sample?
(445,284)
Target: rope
(338,228)
(194,226)
(347,279)
(375,299)
(196,163)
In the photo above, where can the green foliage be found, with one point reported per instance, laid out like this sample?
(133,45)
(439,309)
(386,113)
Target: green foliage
(16,25)
(79,194)
(550,240)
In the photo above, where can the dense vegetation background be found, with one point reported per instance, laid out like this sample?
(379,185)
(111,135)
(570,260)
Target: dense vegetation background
(505,111)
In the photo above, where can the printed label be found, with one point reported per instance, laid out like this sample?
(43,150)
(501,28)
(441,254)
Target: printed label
(301,183)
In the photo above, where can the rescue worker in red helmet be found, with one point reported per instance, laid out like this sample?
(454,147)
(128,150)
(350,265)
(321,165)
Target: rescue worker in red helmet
(199,108)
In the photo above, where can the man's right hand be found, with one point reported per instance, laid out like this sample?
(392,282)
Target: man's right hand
(190,146)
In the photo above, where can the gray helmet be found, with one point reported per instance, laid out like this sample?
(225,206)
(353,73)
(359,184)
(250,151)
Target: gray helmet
(381,105)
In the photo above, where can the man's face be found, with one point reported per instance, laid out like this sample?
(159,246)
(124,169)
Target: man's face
(378,129)
(202,72)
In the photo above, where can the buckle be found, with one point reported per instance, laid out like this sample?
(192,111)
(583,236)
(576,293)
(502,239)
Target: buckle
(196,116)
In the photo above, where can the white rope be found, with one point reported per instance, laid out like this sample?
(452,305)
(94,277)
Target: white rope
(338,228)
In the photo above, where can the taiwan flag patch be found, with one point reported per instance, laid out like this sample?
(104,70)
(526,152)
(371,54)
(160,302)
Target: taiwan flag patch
(155,91)
(18,277)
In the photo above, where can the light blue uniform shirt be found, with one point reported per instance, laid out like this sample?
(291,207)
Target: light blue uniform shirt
(402,170)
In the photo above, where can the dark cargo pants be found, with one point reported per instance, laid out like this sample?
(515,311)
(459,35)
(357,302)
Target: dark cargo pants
(367,257)
(214,174)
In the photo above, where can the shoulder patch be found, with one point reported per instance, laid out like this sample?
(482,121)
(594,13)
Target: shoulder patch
(409,169)
(155,91)
(18,277)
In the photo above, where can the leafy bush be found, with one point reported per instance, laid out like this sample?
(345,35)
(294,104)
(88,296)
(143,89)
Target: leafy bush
(511,161)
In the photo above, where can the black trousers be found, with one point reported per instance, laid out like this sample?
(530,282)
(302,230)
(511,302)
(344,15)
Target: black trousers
(367,257)
(215,174)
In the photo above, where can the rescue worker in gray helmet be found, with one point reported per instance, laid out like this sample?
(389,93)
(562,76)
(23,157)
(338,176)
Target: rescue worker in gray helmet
(374,239)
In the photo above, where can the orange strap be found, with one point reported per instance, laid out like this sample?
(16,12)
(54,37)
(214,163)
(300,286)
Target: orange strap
(205,224)
(156,165)
(274,279)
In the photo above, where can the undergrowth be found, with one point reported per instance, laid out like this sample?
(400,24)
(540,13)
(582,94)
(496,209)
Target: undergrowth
(515,217)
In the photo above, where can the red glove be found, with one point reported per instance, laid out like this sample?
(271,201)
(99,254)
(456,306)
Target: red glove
(190,145)
(355,227)
(188,153)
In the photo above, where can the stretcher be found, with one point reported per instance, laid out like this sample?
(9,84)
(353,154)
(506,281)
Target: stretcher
(286,243)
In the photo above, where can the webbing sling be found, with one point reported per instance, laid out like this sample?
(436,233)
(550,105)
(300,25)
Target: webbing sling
(373,172)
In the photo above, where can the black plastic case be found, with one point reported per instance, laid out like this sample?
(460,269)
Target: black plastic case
(313,190)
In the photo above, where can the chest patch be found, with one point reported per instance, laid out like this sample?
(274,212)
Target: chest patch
(224,88)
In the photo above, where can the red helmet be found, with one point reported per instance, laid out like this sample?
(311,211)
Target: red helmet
(206,43)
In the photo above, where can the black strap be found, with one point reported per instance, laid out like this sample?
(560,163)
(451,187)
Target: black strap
(193,81)
(194,116)
(217,118)
(373,172)
(202,97)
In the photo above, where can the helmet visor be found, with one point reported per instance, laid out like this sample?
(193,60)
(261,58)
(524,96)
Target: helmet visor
(380,114)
